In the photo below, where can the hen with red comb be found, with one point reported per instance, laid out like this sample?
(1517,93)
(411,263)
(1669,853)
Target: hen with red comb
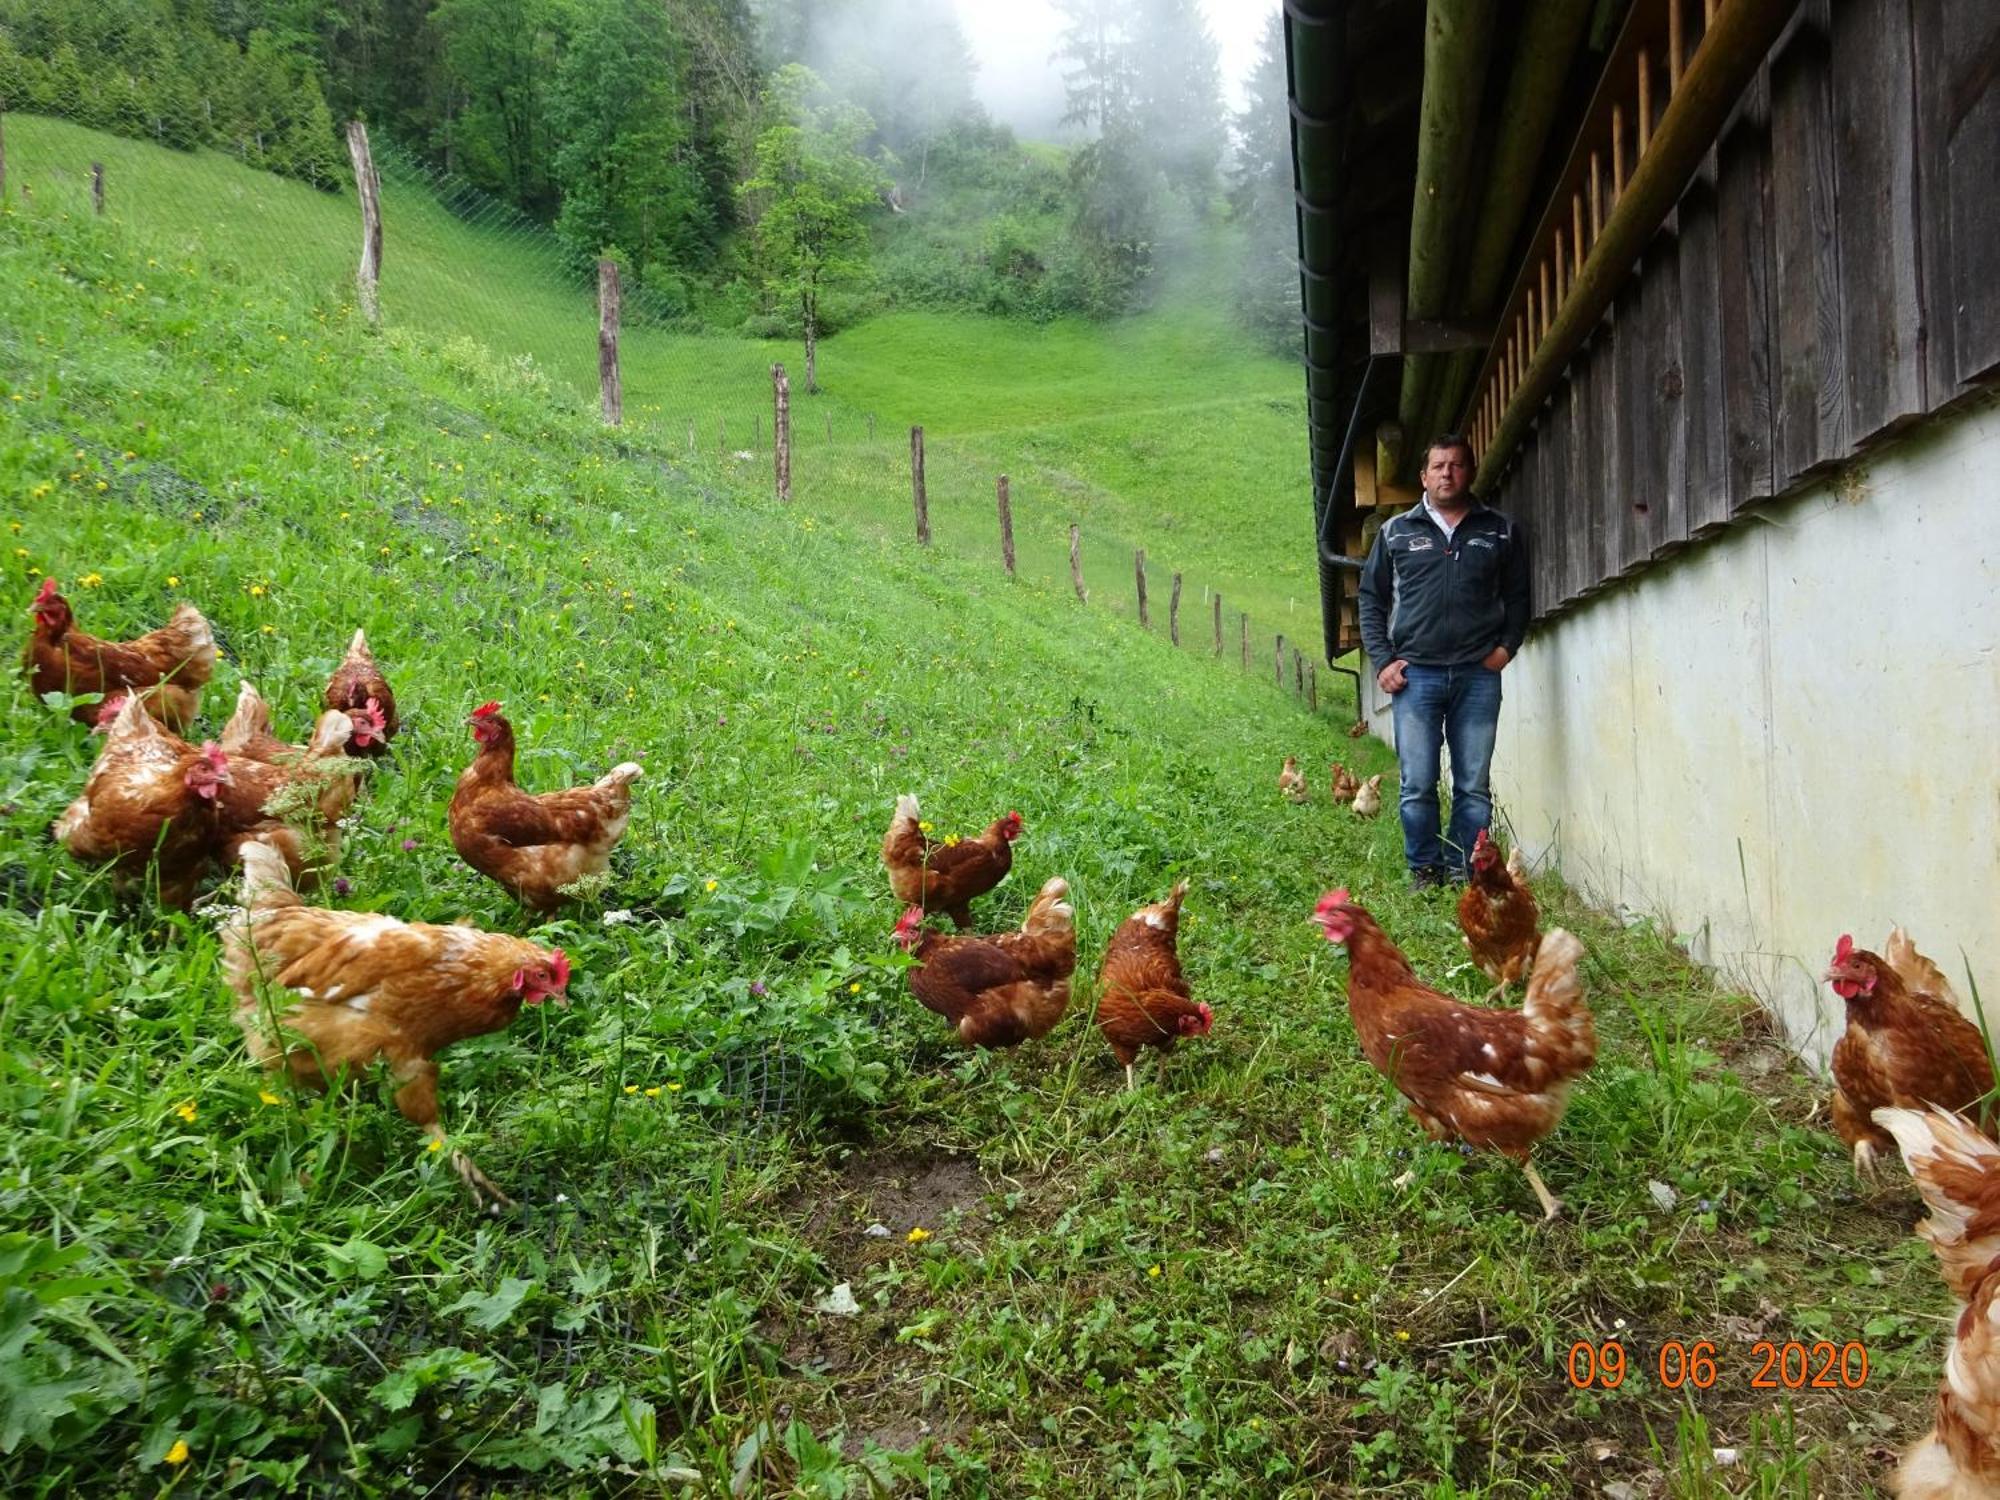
(1907,1045)
(167,667)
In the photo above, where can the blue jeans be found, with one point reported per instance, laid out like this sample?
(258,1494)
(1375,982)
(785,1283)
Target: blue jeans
(1438,706)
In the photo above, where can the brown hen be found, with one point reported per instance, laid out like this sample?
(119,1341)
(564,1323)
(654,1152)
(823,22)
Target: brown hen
(1003,990)
(1499,918)
(946,875)
(359,690)
(1143,1000)
(167,666)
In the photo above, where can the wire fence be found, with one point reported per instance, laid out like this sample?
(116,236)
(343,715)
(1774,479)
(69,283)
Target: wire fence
(457,262)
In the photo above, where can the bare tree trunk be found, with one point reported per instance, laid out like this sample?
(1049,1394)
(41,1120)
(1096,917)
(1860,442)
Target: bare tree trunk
(1076,564)
(1218,624)
(369,188)
(810,306)
(1139,573)
(781,429)
(611,390)
(917,494)
(97,187)
(1006,527)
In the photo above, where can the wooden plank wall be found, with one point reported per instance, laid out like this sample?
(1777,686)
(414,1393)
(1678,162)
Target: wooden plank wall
(1831,275)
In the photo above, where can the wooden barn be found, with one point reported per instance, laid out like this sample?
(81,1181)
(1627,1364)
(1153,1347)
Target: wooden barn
(1714,286)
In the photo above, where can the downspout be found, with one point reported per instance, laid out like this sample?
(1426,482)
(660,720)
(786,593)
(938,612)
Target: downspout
(1457,39)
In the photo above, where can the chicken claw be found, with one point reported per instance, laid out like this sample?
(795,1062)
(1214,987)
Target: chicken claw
(480,1186)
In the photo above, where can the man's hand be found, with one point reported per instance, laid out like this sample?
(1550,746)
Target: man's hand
(1497,658)
(1391,679)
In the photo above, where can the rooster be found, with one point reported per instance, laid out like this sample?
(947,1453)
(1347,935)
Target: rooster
(1907,1044)
(342,990)
(1368,797)
(1498,915)
(534,845)
(359,690)
(1498,1080)
(168,666)
(1958,1171)
(151,798)
(1291,785)
(1142,998)
(950,875)
(997,991)
(1345,783)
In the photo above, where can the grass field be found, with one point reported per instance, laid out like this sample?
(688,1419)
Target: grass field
(1167,432)
(1211,1286)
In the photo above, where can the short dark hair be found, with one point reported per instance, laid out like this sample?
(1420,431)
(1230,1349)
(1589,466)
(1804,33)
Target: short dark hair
(1456,440)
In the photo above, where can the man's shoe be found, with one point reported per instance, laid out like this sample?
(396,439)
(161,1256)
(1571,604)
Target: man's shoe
(1427,879)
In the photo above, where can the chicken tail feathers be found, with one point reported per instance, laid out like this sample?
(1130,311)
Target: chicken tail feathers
(621,775)
(1958,1171)
(267,880)
(1555,990)
(1051,915)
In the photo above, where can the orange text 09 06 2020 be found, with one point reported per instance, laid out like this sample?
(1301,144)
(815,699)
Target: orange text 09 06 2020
(1697,1364)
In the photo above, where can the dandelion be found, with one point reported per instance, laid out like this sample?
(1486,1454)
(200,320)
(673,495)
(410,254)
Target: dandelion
(951,841)
(653,1093)
(673,1088)
(91,580)
(924,826)
(187,1111)
(20,551)
(631,1088)
(1154,1270)
(709,885)
(854,988)
(102,485)
(178,1454)
(173,582)
(437,1143)
(267,1097)
(385,551)
(268,630)
(256,589)
(918,1235)
(1402,1335)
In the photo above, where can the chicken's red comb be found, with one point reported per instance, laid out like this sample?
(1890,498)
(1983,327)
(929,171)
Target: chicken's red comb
(212,753)
(1844,949)
(487,709)
(559,967)
(1336,898)
(1484,841)
(47,591)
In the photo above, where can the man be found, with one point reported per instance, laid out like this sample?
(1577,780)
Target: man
(1444,605)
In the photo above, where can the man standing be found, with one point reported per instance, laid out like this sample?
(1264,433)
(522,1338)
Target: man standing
(1444,605)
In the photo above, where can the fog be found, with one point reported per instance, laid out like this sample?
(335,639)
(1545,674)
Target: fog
(1011,41)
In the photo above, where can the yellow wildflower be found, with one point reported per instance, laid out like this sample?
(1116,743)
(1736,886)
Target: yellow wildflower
(187,1111)
(1153,1270)
(924,826)
(1402,1335)
(918,1235)
(673,1088)
(268,629)
(437,1143)
(256,591)
(91,580)
(631,1088)
(709,886)
(173,582)
(854,988)
(268,1097)
(178,1454)
(653,1093)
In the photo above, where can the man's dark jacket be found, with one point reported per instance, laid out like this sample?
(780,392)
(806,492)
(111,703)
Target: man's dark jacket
(1434,602)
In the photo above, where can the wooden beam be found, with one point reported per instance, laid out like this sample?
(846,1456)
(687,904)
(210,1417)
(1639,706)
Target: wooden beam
(1722,66)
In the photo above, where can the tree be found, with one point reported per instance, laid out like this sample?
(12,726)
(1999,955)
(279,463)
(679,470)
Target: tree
(497,54)
(624,168)
(1177,94)
(1260,199)
(810,190)
(1097,83)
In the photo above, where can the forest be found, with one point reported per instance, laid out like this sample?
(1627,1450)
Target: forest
(763,166)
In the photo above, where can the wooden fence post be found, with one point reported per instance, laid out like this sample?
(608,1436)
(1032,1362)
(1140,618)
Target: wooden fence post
(368,187)
(97,187)
(1218,624)
(1298,672)
(1006,527)
(1243,636)
(781,429)
(917,494)
(1076,564)
(610,390)
(1278,661)
(1174,613)
(1139,573)
(1312,686)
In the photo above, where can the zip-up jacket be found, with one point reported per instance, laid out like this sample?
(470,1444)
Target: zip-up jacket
(1435,602)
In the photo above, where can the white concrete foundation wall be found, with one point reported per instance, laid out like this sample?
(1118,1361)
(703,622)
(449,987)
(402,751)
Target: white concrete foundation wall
(1789,732)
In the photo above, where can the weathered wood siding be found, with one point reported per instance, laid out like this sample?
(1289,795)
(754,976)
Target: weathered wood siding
(1831,275)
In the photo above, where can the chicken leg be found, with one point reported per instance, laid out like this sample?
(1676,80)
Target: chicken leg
(1551,1205)
(476,1182)
(1131,1079)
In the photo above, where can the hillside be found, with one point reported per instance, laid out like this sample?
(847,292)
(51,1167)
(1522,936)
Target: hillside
(1209,1286)
(1204,466)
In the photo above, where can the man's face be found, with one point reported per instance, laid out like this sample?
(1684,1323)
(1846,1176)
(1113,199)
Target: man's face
(1447,474)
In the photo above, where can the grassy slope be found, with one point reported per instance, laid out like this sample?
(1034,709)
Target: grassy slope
(1211,1286)
(1207,470)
